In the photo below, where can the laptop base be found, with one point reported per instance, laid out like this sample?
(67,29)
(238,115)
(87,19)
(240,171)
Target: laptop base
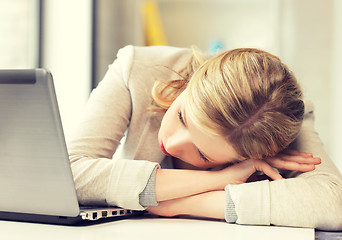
(60,220)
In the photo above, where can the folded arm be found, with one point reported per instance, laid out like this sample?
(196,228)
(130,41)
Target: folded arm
(202,193)
(304,199)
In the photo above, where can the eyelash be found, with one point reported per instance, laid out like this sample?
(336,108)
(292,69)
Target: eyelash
(202,156)
(180,116)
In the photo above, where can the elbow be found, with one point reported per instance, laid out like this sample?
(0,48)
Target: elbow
(329,202)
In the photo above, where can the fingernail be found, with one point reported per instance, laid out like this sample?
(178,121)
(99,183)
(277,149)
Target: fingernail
(310,167)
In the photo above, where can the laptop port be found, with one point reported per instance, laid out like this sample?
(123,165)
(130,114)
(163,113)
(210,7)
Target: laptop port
(122,212)
(94,215)
(104,213)
(114,213)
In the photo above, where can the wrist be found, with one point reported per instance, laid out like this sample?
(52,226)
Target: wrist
(175,183)
(209,204)
(222,178)
(169,208)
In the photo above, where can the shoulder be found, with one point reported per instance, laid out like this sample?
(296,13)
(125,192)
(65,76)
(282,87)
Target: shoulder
(143,65)
(167,56)
(309,114)
(161,54)
(309,106)
(151,52)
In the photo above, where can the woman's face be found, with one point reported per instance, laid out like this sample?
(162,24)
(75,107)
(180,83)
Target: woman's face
(181,138)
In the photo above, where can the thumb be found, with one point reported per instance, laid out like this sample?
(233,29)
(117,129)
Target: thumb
(264,167)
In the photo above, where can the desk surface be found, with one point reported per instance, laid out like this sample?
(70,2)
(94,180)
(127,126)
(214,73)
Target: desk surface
(152,228)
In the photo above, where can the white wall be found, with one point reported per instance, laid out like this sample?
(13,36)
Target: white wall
(67,54)
(19,34)
(236,23)
(307,49)
(336,90)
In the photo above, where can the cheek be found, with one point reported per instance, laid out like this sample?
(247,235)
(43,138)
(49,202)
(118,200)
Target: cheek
(164,126)
(170,118)
(161,130)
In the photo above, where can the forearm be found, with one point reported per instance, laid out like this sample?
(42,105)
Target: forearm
(314,201)
(176,183)
(209,204)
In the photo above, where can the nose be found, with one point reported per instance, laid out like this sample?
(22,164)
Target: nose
(178,142)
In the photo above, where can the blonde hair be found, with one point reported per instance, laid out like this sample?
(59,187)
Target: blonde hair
(249,97)
(165,92)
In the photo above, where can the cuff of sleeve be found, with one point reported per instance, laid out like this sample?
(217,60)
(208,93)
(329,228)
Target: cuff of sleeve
(147,198)
(230,212)
(127,180)
(252,202)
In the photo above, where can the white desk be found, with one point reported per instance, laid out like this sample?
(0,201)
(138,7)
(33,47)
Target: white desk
(151,228)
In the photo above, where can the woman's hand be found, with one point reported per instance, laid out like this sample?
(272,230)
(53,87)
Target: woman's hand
(286,160)
(294,161)
(240,172)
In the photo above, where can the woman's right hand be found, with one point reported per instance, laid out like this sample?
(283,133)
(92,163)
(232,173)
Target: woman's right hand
(240,172)
(294,161)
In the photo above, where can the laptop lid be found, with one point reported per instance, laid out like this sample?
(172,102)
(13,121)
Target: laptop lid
(35,174)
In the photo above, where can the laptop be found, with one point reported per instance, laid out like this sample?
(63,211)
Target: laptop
(36,181)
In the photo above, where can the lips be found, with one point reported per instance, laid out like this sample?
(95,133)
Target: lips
(163,150)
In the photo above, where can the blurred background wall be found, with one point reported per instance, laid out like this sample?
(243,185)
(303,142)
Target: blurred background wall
(78,39)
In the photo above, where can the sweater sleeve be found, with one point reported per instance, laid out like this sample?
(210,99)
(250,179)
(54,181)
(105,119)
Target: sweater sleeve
(312,199)
(100,178)
(147,198)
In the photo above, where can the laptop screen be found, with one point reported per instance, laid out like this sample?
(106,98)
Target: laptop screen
(35,174)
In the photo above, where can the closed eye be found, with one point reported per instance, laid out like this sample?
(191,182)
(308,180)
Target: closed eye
(203,157)
(180,116)
(181,119)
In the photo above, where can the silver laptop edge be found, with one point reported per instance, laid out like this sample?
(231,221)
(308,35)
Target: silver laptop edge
(35,173)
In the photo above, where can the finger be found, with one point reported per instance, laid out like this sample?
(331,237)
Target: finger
(267,169)
(297,153)
(290,165)
(296,158)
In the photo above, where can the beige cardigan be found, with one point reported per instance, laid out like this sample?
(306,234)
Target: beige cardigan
(118,106)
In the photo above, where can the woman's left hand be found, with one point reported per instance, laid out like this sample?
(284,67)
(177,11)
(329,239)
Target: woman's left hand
(294,161)
(286,160)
